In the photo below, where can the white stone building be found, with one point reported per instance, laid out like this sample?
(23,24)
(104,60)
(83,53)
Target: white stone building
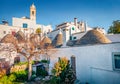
(69,28)
(72,30)
(95,64)
(25,24)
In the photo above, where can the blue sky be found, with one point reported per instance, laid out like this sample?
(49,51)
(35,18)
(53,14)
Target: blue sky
(95,12)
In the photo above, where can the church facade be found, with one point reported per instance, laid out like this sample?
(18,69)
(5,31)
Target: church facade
(27,25)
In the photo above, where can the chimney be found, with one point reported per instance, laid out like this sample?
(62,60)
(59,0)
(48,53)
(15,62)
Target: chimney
(85,26)
(4,22)
(75,21)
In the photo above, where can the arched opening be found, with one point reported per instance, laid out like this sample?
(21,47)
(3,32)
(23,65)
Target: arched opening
(16,59)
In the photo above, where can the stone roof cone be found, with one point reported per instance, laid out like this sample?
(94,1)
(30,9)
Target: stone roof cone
(9,38)
(33,6)
(93,37)
(59,40)
(34,39)
(46,40)
(20,37)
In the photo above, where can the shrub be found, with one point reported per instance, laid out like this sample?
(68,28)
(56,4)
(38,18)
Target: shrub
(41,72)
(8,79)
(60,66)
(64,72)
(12,77)
(4,80)
(35,62)
(21,76)
(21,63)
(2,72)
(44,61)
(53,80)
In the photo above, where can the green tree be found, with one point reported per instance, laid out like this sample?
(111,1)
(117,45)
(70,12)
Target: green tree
(115,27)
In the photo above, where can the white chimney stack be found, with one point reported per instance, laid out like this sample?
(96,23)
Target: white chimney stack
(75,21)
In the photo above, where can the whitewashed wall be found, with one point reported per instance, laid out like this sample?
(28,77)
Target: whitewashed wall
(7,29)
(93,62)
(18,22)
(78,35)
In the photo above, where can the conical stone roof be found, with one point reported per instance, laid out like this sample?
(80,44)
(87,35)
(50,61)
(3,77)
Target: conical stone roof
(20,37)
(93,37)
(34,39)
(46,40)
(31,35)
(9,38)
(59,39)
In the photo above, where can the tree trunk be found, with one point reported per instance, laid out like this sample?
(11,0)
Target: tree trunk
(29,69)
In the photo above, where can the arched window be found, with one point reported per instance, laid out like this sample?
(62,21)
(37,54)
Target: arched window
(16,59)
(32,12)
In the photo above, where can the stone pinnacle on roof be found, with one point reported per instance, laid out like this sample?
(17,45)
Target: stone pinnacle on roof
(60,32)
(33,6)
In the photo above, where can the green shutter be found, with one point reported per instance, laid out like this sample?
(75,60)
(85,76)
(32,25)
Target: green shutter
(70,37)
(73,28)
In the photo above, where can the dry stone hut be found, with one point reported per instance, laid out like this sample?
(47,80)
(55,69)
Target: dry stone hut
(45,42)
(35,39)
(58,40)
(9,38)
(20,37)
(93,37)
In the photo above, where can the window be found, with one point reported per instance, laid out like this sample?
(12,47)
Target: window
(116,61)
(25,25)
(32,12)
(73,28)
(4,32)
(65,29)
(74,38)
(16,59)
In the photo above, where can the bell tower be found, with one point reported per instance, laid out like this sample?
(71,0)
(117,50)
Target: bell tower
(33,12)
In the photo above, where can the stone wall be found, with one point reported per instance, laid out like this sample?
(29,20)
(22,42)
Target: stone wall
(16,68)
